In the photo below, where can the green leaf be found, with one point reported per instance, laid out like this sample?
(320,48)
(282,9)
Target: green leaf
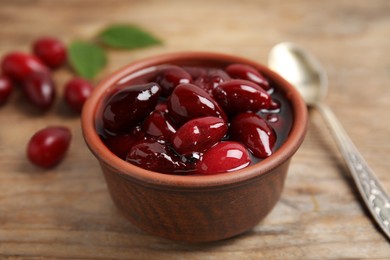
(127,37)
(86,58)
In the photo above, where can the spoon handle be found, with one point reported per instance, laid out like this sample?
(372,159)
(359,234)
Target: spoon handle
(374,195)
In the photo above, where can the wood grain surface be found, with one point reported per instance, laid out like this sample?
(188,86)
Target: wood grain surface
(66,212)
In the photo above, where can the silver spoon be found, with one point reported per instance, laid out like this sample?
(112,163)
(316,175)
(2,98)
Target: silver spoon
(304,72)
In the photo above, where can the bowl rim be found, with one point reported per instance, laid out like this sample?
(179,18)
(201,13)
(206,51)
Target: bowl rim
(127,170)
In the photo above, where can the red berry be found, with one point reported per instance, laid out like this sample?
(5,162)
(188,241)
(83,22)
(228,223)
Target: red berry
(189,101)
(40,90)
(237,95)
(210,79)
(254,132)
(246,72)
(77,90)
(18,66)
(172,76)
(120,145)
(129,106)
(199,134)
(155,156)
(48,146)
(6,88)
(158,125)
(223,157)
(51,51)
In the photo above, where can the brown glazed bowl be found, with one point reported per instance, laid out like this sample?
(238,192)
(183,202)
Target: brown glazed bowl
(194,208)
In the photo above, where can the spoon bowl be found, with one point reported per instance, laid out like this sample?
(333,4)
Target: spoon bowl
(301,69)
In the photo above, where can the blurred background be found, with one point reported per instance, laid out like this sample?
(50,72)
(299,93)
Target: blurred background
(66,212)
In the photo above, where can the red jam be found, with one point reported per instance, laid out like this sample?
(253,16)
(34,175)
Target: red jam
(195,120)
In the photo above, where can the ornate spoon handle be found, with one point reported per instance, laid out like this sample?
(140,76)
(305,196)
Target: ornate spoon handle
(374,195)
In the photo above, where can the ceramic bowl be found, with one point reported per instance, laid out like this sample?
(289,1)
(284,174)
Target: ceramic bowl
(194,208)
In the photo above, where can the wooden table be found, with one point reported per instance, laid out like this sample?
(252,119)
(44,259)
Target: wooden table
(66,212)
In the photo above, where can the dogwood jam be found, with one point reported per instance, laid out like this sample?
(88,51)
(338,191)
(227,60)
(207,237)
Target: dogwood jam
(195,120)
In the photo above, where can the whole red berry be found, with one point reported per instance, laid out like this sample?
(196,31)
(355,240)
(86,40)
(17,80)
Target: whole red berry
(224,157)
(48,146)
(40,90)
(17,66)
(6,87)
(51,51)
(172,76)
(254,132)
(199,134)
(246,72)
(76,92)
(155,155)
(188,101)
(237,95)
(130,106)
